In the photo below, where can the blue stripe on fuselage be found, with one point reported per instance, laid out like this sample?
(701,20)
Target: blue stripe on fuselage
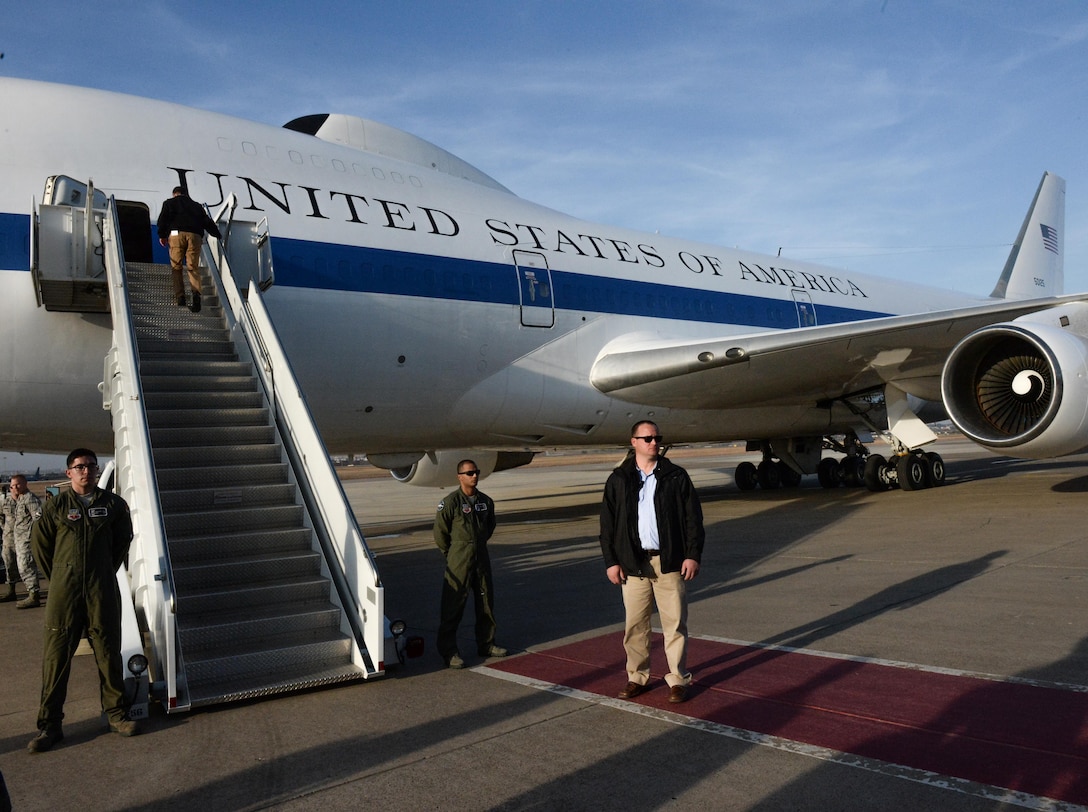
(307,264)
(15,242)
(300,263)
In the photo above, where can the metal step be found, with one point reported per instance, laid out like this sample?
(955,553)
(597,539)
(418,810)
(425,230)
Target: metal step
(253,570)
(145,297)
(269,661)
(302,623)
(168,438)
(279,682)
(210,476)
(247,495)
(203,399)
(191,383)
(187,366)
(187,549)
(239,598)
(172,418)
(181,340)
(238,456)
(205,329)
(217,521)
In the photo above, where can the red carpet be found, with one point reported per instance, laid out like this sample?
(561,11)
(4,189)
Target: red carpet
(1021,737)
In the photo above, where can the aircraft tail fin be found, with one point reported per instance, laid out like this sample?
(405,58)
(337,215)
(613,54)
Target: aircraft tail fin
(1035,267)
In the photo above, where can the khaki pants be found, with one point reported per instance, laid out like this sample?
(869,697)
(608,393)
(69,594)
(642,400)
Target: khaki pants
(669,592)
(185,248)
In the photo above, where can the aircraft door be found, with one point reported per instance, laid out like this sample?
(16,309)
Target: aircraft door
(534,289)
(134,220)
(806,311)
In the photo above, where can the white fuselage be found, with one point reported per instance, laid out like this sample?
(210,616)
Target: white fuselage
(396,291)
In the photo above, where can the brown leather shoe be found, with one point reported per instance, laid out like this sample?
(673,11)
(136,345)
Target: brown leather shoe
(678,693)
(631,690)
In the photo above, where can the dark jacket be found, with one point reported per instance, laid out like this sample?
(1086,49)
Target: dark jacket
(679,518)
(182,213)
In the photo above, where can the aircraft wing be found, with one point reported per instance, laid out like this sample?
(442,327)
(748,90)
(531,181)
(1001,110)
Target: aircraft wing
(800,366)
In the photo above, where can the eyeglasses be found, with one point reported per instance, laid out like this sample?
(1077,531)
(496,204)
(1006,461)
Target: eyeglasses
(468,473)
(84,466)
(651,438)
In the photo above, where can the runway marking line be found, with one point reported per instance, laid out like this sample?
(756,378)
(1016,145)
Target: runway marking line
(1017,741)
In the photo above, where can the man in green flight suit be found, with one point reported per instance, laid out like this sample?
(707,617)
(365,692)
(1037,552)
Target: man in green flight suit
(81,539)
(462,527)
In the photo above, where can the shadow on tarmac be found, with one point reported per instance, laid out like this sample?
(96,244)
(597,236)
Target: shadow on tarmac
(550,587)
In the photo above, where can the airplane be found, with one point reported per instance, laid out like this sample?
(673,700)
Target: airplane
(371,292)
(432,314)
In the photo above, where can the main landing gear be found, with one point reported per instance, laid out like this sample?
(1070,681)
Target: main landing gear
(768,475)
(910,470)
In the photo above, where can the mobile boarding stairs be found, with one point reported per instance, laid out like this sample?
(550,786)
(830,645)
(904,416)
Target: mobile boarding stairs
(248,573)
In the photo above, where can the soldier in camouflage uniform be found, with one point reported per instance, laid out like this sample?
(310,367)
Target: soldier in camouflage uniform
(26,509)
(7,527)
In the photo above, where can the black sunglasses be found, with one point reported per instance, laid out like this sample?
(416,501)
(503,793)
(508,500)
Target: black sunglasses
(651,438)
(468,473)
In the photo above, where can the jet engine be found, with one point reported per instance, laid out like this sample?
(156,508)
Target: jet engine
(438,469)
(1021,388)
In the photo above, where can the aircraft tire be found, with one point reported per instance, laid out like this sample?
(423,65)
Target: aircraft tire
(876,473)
(853,471)
(829,472)
(788,477)
(913,472)
(936,468)
(746,476)
(769,476)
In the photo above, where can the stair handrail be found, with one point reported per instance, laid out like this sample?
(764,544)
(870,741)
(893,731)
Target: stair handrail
(323,494)
(150,571)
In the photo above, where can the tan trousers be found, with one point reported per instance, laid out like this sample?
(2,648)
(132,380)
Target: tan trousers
(185,248)
(669,592)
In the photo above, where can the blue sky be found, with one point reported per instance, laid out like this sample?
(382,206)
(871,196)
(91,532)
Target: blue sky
(885,136)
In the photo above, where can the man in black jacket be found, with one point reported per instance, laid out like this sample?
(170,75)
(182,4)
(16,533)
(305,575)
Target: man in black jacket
(652,540)
(181,226)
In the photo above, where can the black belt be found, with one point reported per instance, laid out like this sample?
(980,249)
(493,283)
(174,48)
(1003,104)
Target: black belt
(651,553)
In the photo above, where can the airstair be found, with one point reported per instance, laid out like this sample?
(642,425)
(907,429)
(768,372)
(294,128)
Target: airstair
(248,572)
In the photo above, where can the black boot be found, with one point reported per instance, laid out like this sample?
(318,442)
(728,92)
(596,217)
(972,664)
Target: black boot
(9,595)
(195,306)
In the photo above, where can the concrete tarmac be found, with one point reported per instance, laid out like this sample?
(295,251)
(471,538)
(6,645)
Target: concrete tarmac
(988,574)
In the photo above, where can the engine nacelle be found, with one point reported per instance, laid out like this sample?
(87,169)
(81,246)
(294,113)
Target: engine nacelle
(1020,388)
(438,469)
